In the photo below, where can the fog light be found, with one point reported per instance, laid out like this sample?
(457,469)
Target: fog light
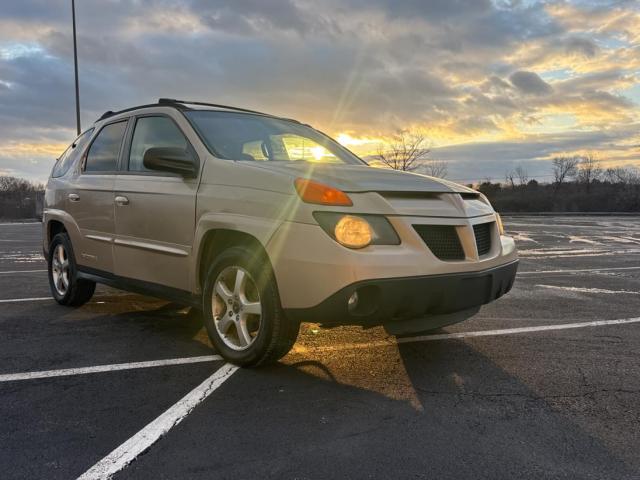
(352,303)
(353,232)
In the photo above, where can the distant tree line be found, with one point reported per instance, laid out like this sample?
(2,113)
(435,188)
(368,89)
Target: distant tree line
(20,199)
(580,184)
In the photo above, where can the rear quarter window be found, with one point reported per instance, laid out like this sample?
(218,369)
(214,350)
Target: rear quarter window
(71,154)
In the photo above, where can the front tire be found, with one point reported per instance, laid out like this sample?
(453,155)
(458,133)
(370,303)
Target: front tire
(67,289)
(242,312)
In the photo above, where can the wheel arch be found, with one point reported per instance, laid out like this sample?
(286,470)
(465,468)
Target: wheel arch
(54,227)
(215,240)
(57,221)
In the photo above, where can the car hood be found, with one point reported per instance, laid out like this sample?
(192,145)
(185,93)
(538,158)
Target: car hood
(362,178)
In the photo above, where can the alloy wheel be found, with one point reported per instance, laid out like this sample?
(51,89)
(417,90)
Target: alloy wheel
(60,270)
(237,309)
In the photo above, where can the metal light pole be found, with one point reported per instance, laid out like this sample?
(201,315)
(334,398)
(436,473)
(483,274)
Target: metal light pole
(75,64)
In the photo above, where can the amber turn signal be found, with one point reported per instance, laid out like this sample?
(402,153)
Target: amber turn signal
(315,192)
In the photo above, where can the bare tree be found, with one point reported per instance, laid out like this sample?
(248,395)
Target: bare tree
(436,168)
(563,168)
(510,177)
(610,175)
(407,151)
(589,170)
(626,176)
(18,185)
(522,174)
(632,176)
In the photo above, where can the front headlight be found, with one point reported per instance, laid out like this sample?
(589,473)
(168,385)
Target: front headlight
(353,232)
(357,231)
(499,223)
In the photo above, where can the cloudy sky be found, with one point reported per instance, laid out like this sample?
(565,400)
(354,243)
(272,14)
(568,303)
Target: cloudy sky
(492,83)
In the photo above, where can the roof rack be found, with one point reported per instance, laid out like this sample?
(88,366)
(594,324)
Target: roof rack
(183,105)
(110,113)
(173,101)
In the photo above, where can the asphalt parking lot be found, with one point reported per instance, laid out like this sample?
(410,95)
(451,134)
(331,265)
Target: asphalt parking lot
(543,383)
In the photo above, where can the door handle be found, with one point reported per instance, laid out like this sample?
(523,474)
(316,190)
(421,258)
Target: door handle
(121,200)
(74,197)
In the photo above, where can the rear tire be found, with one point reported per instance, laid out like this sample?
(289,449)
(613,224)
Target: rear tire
(67,289)
(242,312)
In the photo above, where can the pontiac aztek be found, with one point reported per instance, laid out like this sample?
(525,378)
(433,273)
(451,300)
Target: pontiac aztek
(263,222)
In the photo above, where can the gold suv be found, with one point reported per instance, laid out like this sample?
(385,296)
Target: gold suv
(263,222)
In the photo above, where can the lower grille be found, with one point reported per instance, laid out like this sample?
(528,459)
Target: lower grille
(482,231)
(442,240)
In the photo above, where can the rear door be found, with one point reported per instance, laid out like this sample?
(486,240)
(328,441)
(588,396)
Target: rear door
(90,200)
(154,211)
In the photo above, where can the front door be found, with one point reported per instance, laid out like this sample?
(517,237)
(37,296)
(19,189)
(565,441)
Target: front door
(154,211)
(90,199)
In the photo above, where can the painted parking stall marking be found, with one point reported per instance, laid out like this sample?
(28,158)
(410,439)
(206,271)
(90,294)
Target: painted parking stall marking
(578,270)
(18,300)
(14,377)
(479,333)
(142,441)
(13,272)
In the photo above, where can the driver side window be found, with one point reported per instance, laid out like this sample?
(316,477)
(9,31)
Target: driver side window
(153,132)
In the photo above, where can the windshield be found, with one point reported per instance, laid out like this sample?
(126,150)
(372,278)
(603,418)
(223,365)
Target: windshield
(241,136)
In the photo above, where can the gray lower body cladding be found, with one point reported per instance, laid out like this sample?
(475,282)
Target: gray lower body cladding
(384,301)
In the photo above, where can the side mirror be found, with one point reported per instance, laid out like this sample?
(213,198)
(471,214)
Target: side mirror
(170,159)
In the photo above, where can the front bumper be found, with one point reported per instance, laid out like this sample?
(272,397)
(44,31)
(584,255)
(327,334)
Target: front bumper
(396,299)
(310,266)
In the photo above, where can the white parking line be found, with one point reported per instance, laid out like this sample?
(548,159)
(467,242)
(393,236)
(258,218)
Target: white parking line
(21,271)
(142,441)
(13,377)
(580,270)
(588,290)
(33,299)
(458,335)
(511,331)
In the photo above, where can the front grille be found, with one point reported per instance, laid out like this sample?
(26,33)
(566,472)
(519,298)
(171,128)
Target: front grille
(482,231)
(442,240)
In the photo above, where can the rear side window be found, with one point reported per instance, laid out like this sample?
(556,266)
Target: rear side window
(68,158)
(104,151)
(153,132)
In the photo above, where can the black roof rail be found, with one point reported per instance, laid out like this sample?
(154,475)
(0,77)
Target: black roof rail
(172,101)
(110,113)
(106,114)
(183,105)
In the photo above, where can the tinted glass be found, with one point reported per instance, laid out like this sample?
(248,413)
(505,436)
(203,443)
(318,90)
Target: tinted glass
(104,151)
(68,158)
(153,132)
(239,136)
